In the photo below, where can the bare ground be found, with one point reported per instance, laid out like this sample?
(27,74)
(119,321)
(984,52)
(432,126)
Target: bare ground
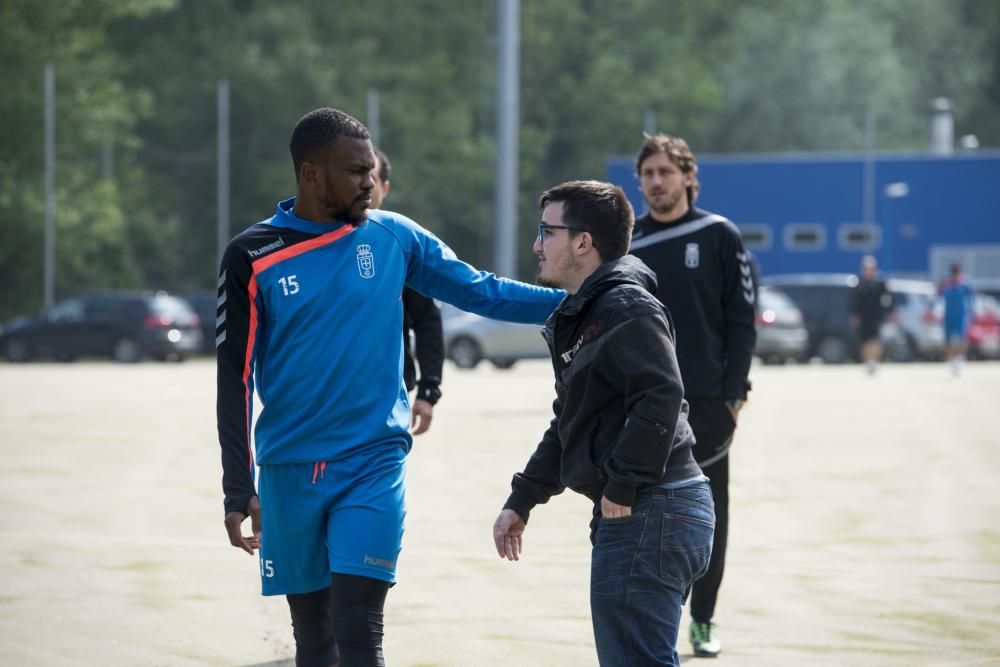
(864,527)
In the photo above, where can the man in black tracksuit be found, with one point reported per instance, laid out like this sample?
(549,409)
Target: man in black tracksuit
(423,317)
(706,282)
(871,302)
(620,434)
(420,316)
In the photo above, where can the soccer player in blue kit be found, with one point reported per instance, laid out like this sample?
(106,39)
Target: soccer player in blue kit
(310,315)
(958,307)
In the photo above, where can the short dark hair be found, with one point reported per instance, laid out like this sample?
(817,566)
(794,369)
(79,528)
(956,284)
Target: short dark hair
(678,151)
(317,132)
(384,166)
(598,208)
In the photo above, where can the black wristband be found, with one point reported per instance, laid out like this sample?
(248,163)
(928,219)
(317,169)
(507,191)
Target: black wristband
(429,393)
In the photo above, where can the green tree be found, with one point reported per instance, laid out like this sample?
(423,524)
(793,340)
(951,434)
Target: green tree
(140,77)
(92,111)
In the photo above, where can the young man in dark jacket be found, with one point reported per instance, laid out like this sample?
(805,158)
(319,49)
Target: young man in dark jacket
(620,434)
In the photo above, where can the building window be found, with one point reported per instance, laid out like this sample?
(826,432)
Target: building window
(805,236)
(756,237)
(865,238)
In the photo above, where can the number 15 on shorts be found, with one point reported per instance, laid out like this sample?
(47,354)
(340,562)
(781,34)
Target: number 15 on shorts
(266,568)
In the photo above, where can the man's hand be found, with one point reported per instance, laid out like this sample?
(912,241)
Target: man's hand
(507,532)
(610,510)
(734,409)
(233,521)
(423,413)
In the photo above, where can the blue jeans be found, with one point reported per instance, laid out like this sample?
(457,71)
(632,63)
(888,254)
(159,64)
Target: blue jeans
(641,571)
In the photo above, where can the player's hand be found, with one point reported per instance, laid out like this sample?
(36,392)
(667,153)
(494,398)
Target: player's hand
(610,510)
(507,532)
(734,407)
(423,413)
(235,519)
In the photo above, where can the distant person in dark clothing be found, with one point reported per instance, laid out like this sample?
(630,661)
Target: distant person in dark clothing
(421,316)
(870,303)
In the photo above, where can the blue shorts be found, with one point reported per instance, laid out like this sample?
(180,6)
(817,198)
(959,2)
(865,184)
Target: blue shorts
(343,516)
(954,331)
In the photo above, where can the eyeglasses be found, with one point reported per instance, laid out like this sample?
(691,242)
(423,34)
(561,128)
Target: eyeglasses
(543,227)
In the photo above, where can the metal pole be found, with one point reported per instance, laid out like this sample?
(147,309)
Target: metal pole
(649,122)
(868,177)
(942,127)
(508,75)
(108,160)
(222,173)
(49,270)
(374,128)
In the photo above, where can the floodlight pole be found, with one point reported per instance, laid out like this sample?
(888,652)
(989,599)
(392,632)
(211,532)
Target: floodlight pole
(373,113)
(868,177)
(508,76)
(49,268)
(222,173)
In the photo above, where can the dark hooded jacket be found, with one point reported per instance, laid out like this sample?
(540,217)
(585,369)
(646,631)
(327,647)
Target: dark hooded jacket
(620,415)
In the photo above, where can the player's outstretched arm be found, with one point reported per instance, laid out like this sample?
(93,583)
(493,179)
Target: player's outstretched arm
(233,521)
(508,531)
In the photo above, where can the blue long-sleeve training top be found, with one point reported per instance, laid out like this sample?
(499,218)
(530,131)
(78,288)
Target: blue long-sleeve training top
(310,315)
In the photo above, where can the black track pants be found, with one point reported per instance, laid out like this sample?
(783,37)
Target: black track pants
(713,429)
(341,622)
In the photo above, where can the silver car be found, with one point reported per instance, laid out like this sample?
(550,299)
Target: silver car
(913,306)
(781,332)
(469,339)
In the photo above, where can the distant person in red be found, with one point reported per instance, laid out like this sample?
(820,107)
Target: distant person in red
(870,303)
(957,295)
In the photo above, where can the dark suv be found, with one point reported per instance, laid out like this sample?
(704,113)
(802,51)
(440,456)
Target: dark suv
(126,326)
(205,305)
(825,302)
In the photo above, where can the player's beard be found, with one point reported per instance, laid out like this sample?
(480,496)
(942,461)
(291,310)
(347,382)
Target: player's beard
(668,205)
(339,210)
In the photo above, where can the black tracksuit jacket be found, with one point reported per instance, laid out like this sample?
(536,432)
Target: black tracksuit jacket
(423,317)
(706,281)
(620,416)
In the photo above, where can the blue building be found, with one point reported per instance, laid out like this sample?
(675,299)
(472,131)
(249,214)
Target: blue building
(916,212)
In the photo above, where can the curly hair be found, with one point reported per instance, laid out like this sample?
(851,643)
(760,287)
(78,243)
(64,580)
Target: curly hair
(677,150)
(317,132)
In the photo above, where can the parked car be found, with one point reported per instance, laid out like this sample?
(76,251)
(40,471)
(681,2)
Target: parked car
(469,339)
(913,303)
(984,330)
(781,332)
(825,302)
(126,326)
(205,305)
(987,286)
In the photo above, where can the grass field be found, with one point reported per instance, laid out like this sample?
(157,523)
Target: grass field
(865,525)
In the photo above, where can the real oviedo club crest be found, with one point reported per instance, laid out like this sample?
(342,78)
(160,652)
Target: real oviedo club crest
(692,256)
(366,261)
